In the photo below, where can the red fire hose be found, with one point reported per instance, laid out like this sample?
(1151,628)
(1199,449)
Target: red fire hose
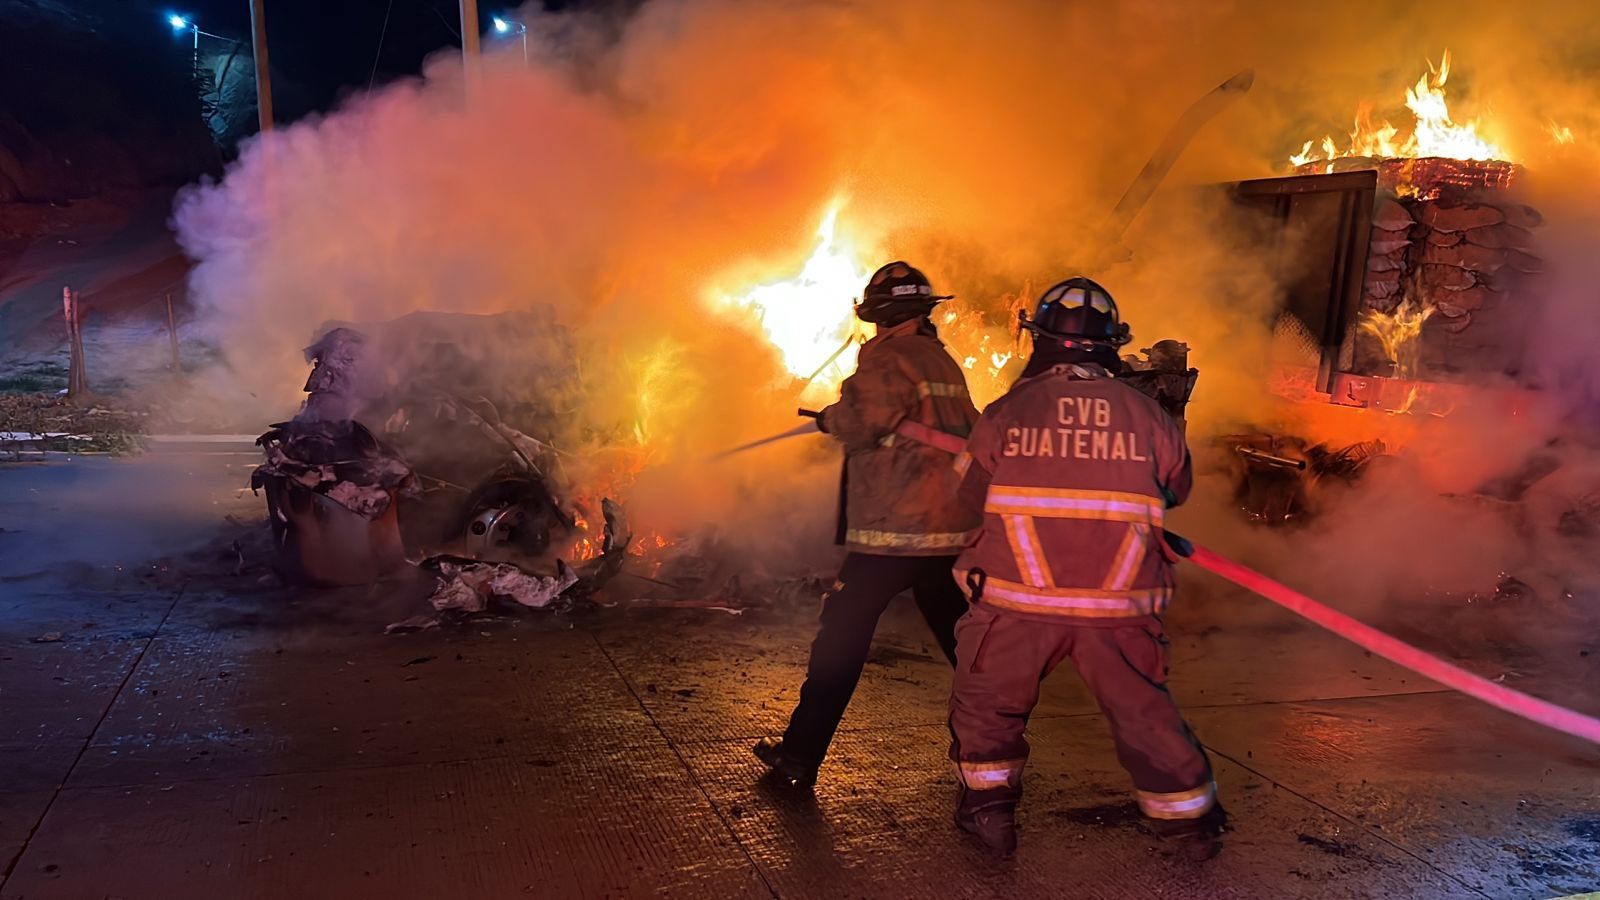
(1515,702)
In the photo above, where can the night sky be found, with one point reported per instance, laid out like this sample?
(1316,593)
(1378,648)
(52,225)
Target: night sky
(323,50)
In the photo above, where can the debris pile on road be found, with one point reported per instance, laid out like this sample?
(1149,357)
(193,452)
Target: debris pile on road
(50,422)
(340,460)
(467,585)
(464,587)
(1278,478)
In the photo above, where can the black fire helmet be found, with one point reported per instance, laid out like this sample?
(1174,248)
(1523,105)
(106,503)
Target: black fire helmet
(895,293)
(1077,313)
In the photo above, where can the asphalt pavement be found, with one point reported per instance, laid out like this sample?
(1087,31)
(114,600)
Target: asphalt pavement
(168,732)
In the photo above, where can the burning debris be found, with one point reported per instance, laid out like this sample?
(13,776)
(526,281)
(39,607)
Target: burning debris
(340,460)
(453,481)
(1281,479)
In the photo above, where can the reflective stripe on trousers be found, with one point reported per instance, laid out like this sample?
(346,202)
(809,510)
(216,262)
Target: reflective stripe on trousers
(990,774)
(1181,805)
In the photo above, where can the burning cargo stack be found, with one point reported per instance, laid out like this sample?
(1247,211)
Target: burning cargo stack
(1436,312)
(1451,252)
(1450,256)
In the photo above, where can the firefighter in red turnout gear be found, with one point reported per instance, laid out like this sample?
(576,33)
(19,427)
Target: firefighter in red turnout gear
(1073,472)
(899,517)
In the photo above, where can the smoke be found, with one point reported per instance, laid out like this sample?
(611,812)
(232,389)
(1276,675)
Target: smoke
(645,164)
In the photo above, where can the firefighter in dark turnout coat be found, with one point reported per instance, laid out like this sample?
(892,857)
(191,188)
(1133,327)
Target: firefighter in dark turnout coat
(1073,472)
(899,520)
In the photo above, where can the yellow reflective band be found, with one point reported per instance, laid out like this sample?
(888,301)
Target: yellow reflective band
(938,389)
(1130,556)
(991,774)
(1035,569)
(1084,602)
(956,540)
(1112,506)
(1074,494)
(1181,805)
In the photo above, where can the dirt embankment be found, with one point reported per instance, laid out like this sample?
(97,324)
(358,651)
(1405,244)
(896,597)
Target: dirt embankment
(94,101)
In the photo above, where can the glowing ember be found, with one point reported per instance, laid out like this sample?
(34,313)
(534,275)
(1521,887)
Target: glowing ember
(810,316)
(1433,133)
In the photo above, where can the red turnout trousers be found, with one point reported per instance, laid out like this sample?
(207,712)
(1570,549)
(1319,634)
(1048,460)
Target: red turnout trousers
(1001,658)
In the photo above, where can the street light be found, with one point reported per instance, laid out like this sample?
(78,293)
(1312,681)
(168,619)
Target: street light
(184,23)
(259,36)
(503,25)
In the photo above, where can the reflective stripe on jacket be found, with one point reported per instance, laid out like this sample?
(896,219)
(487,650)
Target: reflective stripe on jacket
(1074,472)
(900,494)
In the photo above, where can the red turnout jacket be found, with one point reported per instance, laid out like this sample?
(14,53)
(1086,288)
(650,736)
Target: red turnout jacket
(1074,472)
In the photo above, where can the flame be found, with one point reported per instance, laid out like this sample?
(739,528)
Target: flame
(810,319)
(1561,134)
(982,350)
(811,316)
(1433,131)
(1397,330)
(1399,334)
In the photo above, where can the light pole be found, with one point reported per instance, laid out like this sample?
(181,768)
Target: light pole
(182,23)
(469,29)
(258,39)
(258,32)
(506,26)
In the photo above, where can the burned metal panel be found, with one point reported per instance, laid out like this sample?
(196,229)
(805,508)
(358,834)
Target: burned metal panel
(1318,252)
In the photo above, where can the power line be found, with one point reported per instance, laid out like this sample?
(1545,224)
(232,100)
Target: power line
(379,55)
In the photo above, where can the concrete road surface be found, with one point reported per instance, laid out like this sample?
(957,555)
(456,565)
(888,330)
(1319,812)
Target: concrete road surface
(165,734)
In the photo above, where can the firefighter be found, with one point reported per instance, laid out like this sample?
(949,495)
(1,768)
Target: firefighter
(1073,471)
(898,517)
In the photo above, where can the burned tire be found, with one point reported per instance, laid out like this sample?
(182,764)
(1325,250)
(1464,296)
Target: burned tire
(510,518)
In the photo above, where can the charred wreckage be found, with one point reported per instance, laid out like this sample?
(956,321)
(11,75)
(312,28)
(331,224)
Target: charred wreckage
(407,447)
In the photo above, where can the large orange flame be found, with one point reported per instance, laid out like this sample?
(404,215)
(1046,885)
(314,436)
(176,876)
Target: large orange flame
(1433,131)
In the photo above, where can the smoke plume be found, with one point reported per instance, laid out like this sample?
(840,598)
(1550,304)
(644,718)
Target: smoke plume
(644,165)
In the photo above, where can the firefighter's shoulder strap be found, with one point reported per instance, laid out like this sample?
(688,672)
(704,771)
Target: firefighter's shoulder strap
(933,437)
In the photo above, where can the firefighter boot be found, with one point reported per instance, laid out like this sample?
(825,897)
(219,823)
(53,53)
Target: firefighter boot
(784,766)
(1194,839)
(990,819)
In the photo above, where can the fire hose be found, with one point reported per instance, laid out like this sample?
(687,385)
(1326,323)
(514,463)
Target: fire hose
(1394,650)
(1353,630)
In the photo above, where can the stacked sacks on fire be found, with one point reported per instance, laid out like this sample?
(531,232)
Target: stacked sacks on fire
(1450,244)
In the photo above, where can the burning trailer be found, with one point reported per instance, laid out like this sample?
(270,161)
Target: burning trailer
(1407,269)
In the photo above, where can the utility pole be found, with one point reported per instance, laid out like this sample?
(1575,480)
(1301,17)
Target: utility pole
(258,33)
(469,30)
